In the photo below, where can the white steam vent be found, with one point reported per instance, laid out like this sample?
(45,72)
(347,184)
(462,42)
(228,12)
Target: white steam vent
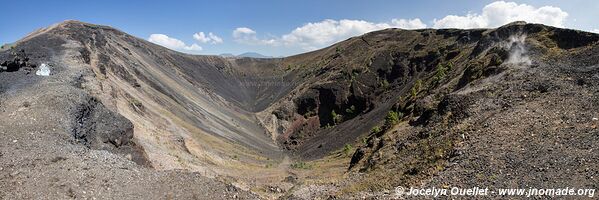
(517,49)
(44,70)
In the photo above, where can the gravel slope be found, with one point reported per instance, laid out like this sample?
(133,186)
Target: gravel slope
(41,157)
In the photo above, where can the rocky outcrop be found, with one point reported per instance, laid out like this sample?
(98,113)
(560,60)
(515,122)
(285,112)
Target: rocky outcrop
(99,128)
(19,60)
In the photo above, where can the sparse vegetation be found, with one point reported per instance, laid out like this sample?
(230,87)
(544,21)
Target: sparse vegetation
(300,165)
(418,84)
(384,84)
(393,118)
(135,103)
(376,129)
(416,88)
(337,118)
(414,92)
(179,159)
(328,126)
(496,61)
(440,72)
(449,66)
(347,148)
(354,75)
(350,110)
(309,113)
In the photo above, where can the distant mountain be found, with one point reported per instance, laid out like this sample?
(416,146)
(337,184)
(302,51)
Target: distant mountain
(253,55)
(246,54)
(227,55)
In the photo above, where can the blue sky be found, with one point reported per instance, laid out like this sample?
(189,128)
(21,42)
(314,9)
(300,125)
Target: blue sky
(280,28)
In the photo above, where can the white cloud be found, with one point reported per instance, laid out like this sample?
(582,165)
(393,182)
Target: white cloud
(595,30)
(173,43)
(246,35)
(193,47)
(408,23)
(319,34)
(241,31)
(210,38)
(215,39)
(499,13)
(201,37)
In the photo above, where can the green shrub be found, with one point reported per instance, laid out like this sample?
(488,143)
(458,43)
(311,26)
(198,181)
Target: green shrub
(393,118)
(350,110)
(440,72)
(309,113)
(328,126)
(337,118)
(347,148)
(376,129)
(416,88)
(414,92)
(496,61)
